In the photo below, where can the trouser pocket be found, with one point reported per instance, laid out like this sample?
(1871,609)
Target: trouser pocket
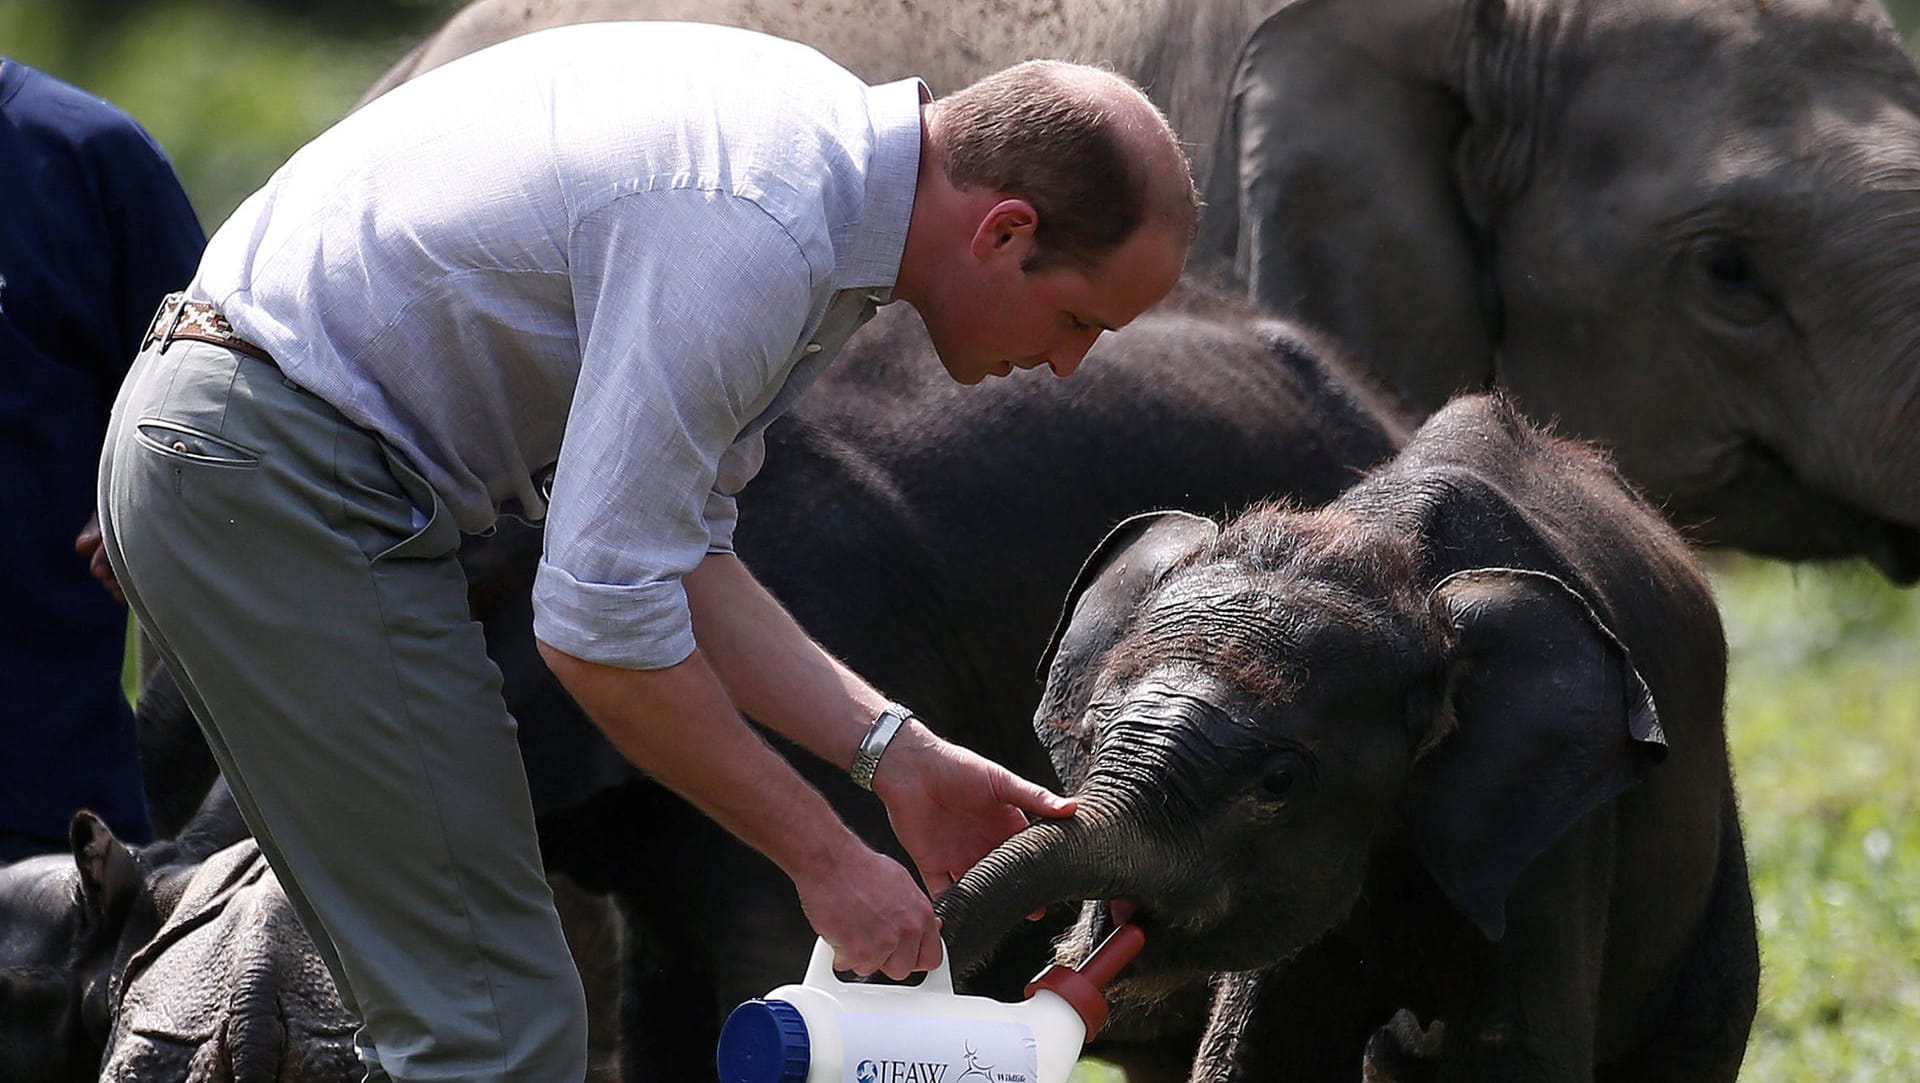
(434,533)
(175,441)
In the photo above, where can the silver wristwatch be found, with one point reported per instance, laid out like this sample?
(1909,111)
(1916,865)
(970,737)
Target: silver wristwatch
(874,744)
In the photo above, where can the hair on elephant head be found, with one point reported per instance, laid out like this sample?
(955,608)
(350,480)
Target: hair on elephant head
(1464,674)
(1683,229)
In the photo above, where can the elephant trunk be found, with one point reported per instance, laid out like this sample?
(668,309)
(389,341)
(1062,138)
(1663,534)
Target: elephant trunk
(1049,862)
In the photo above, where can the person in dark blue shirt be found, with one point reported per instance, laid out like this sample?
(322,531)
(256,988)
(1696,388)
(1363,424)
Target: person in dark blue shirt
(94,231)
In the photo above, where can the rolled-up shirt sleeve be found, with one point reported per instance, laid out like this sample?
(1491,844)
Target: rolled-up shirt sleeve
(690,302)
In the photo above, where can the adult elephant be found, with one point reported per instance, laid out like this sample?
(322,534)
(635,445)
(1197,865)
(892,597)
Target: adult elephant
(1681,228)
(1183,52)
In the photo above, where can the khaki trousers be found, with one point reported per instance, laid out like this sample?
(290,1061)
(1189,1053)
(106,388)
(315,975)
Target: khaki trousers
(299,579)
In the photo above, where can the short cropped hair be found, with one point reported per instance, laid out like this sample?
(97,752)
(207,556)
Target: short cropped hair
(1035,132)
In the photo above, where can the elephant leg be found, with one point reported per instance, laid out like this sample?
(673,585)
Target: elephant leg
(1403,1051)
(621,849)
(176,766)
(744,910)
(1306,1022)
(1525,1008)
(667,1029)
(1702,1031)
(708,923)
(1234,997)
(592,927)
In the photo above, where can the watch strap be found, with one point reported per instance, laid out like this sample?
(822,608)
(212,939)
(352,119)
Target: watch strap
(867,760)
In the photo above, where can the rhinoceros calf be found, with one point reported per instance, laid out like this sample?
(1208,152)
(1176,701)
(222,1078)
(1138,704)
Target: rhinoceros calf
(230,988)
(176,962)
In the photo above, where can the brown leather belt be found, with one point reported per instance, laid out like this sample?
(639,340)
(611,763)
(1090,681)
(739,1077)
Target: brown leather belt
(197,321)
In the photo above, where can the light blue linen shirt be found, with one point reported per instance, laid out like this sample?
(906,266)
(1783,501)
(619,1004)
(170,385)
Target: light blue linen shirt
(621,248)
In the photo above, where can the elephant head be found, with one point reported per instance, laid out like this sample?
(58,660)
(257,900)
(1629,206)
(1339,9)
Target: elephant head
(1680,228)
(1250,716)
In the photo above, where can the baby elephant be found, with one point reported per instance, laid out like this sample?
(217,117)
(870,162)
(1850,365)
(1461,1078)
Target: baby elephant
(1451,744)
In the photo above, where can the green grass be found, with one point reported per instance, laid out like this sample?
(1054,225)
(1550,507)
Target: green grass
(1824,719)
(228,89)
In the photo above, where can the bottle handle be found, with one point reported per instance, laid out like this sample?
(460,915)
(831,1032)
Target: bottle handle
(820,974)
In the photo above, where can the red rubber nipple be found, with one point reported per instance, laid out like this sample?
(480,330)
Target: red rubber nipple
(1080,986)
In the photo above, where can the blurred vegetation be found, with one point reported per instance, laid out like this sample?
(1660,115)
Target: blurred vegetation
(1824,718)
(230,88)
(1824,707)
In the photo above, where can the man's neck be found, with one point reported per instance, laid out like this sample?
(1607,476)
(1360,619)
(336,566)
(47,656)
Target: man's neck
(941,226)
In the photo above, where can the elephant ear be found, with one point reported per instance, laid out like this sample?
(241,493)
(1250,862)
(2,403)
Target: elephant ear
(1550,720)
(109,873)
(1334,188)
(1123,567)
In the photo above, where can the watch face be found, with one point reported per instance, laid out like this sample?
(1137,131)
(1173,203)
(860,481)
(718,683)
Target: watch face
(865,761)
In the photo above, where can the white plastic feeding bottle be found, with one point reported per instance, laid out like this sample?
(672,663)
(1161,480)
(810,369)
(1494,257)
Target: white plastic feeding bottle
(825,1030)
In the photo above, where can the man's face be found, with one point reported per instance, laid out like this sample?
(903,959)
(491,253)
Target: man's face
(1011,319)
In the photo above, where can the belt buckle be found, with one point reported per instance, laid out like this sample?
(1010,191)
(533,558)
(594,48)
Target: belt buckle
(172,308)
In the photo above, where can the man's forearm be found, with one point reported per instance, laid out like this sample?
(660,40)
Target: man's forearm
(679,725)
(770,666)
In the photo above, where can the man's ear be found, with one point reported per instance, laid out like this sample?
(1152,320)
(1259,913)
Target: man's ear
(1006,229)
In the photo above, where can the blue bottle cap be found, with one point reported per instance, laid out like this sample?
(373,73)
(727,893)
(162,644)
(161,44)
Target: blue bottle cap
(764,1041)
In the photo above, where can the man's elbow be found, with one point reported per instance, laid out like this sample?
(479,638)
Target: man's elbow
(567,667)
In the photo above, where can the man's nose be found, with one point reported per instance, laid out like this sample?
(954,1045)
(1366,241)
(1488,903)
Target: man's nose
(1064,360)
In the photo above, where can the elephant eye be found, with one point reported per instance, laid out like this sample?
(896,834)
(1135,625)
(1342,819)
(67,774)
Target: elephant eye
(1729,265)
(1277,783)
(1730,269)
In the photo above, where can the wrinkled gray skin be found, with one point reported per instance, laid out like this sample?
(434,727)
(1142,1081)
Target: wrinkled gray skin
(924,532)
(1683,228)
(1452,743)
(1184,50)
(176,961)
(230,988)
(69,924)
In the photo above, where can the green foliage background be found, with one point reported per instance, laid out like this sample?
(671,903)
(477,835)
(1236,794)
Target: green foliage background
(1824,708)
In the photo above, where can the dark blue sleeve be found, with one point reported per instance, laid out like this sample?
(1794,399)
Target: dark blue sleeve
(153,232)
(94,231)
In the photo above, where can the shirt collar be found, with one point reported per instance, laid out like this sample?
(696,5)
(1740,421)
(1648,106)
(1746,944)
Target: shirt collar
(873,260)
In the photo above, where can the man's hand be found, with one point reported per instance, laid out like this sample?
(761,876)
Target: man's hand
(950,806)
(91,545)
(679,726)
(871,913)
